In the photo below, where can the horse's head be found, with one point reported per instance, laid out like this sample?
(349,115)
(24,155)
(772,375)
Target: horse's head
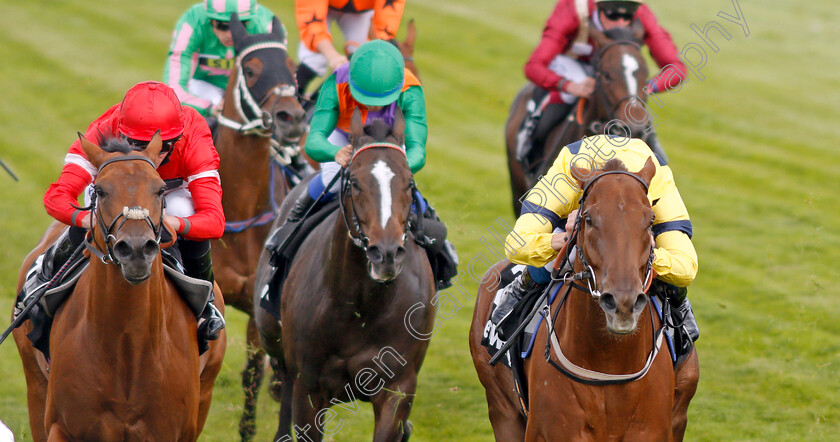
(621,74)
(377,194)
(127,205)
(614,239)
(266,86)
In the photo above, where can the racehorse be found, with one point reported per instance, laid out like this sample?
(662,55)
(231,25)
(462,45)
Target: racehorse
(355,308)
(124,351)
(617,107)
(259,103)
(601,376)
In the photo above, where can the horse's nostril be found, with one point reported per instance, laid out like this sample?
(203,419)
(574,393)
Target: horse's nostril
(374,255)
(608,301)
(641,300)
(400,254)
(122,249)
(150,248)
(284,117)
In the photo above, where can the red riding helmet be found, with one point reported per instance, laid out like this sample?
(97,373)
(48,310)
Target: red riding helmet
(148,107)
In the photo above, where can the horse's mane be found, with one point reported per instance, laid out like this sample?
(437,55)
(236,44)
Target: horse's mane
(376,130)
(620,34)
(116,144)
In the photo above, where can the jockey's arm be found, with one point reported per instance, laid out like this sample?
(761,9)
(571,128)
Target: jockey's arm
(413,105)
(562,23)
(201,164)
(675,260)
(323,123)
(182,61)
(545,208)
(312,22)
(387,15)
(663,51)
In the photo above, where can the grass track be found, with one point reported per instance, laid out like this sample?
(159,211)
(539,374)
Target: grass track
(753,146)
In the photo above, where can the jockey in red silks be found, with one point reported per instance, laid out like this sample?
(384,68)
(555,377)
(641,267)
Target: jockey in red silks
(560,69)
(189,164)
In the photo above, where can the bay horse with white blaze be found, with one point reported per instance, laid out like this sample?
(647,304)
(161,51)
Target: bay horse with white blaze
(259,104)
(355,309)
(617,107)
(124,352)
(602,376)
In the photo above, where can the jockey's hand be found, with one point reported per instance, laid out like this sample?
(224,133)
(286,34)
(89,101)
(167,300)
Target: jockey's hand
(172,222)
(334,59)
(581,89)
(86,222)
(217,109)
(342,157)
(558,240)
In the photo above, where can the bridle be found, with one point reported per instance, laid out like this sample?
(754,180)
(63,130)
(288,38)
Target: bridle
(256,121)
(128,213)
(361,240)
(600,92)
(564,365)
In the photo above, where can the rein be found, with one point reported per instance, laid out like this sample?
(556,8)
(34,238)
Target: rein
(563,364)
(128,213)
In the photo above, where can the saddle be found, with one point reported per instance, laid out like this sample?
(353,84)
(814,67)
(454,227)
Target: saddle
(195,292)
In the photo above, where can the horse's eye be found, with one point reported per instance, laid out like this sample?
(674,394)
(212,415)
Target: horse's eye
(355,184)
(587,219)
(99,192)
(248,72)
(161,191)
(608,76)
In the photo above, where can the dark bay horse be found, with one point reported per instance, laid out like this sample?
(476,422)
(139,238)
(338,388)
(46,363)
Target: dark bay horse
(606,379)
(355,308)
(259,102)
(124,351)
(617,106)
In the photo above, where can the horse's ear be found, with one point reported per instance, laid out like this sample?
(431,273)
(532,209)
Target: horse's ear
(399,124)
(638,31)
(153,149)
(237,30)
(356,128)
(278,30)
(648,171)
(596,35)
(93,152)
(580,175)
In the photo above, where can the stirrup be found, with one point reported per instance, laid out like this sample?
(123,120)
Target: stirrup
(210,323)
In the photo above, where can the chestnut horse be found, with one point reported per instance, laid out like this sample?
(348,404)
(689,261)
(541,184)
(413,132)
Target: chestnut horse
(259,102)
(355,309)
(617,106)
(124,351)
(602,377)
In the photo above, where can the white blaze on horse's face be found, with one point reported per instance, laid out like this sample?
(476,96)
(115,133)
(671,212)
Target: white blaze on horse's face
(383,175)
(631,65)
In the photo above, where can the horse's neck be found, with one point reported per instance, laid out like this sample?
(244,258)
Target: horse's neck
(581,331)
(244,167)
(347,271)
(112,303)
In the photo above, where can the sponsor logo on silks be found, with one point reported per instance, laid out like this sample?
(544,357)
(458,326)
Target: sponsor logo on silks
(216,63)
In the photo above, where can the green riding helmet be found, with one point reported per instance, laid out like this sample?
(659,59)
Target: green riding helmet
(222,10)
(377,73)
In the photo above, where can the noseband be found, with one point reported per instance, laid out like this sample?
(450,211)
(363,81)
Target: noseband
(128,213)
(362,241)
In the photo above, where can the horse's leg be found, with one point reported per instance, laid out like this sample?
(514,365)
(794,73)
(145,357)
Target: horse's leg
(275,386)
(36,382)
(688,375)
(305,406)
(251,381)
(215,357)
(57,435)
(391,407)
(286,387)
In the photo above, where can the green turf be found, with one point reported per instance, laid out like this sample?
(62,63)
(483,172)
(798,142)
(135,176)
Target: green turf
(753,146)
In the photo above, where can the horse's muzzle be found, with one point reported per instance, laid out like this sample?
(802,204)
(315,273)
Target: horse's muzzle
(135,257)
(385,261)
(622,312)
